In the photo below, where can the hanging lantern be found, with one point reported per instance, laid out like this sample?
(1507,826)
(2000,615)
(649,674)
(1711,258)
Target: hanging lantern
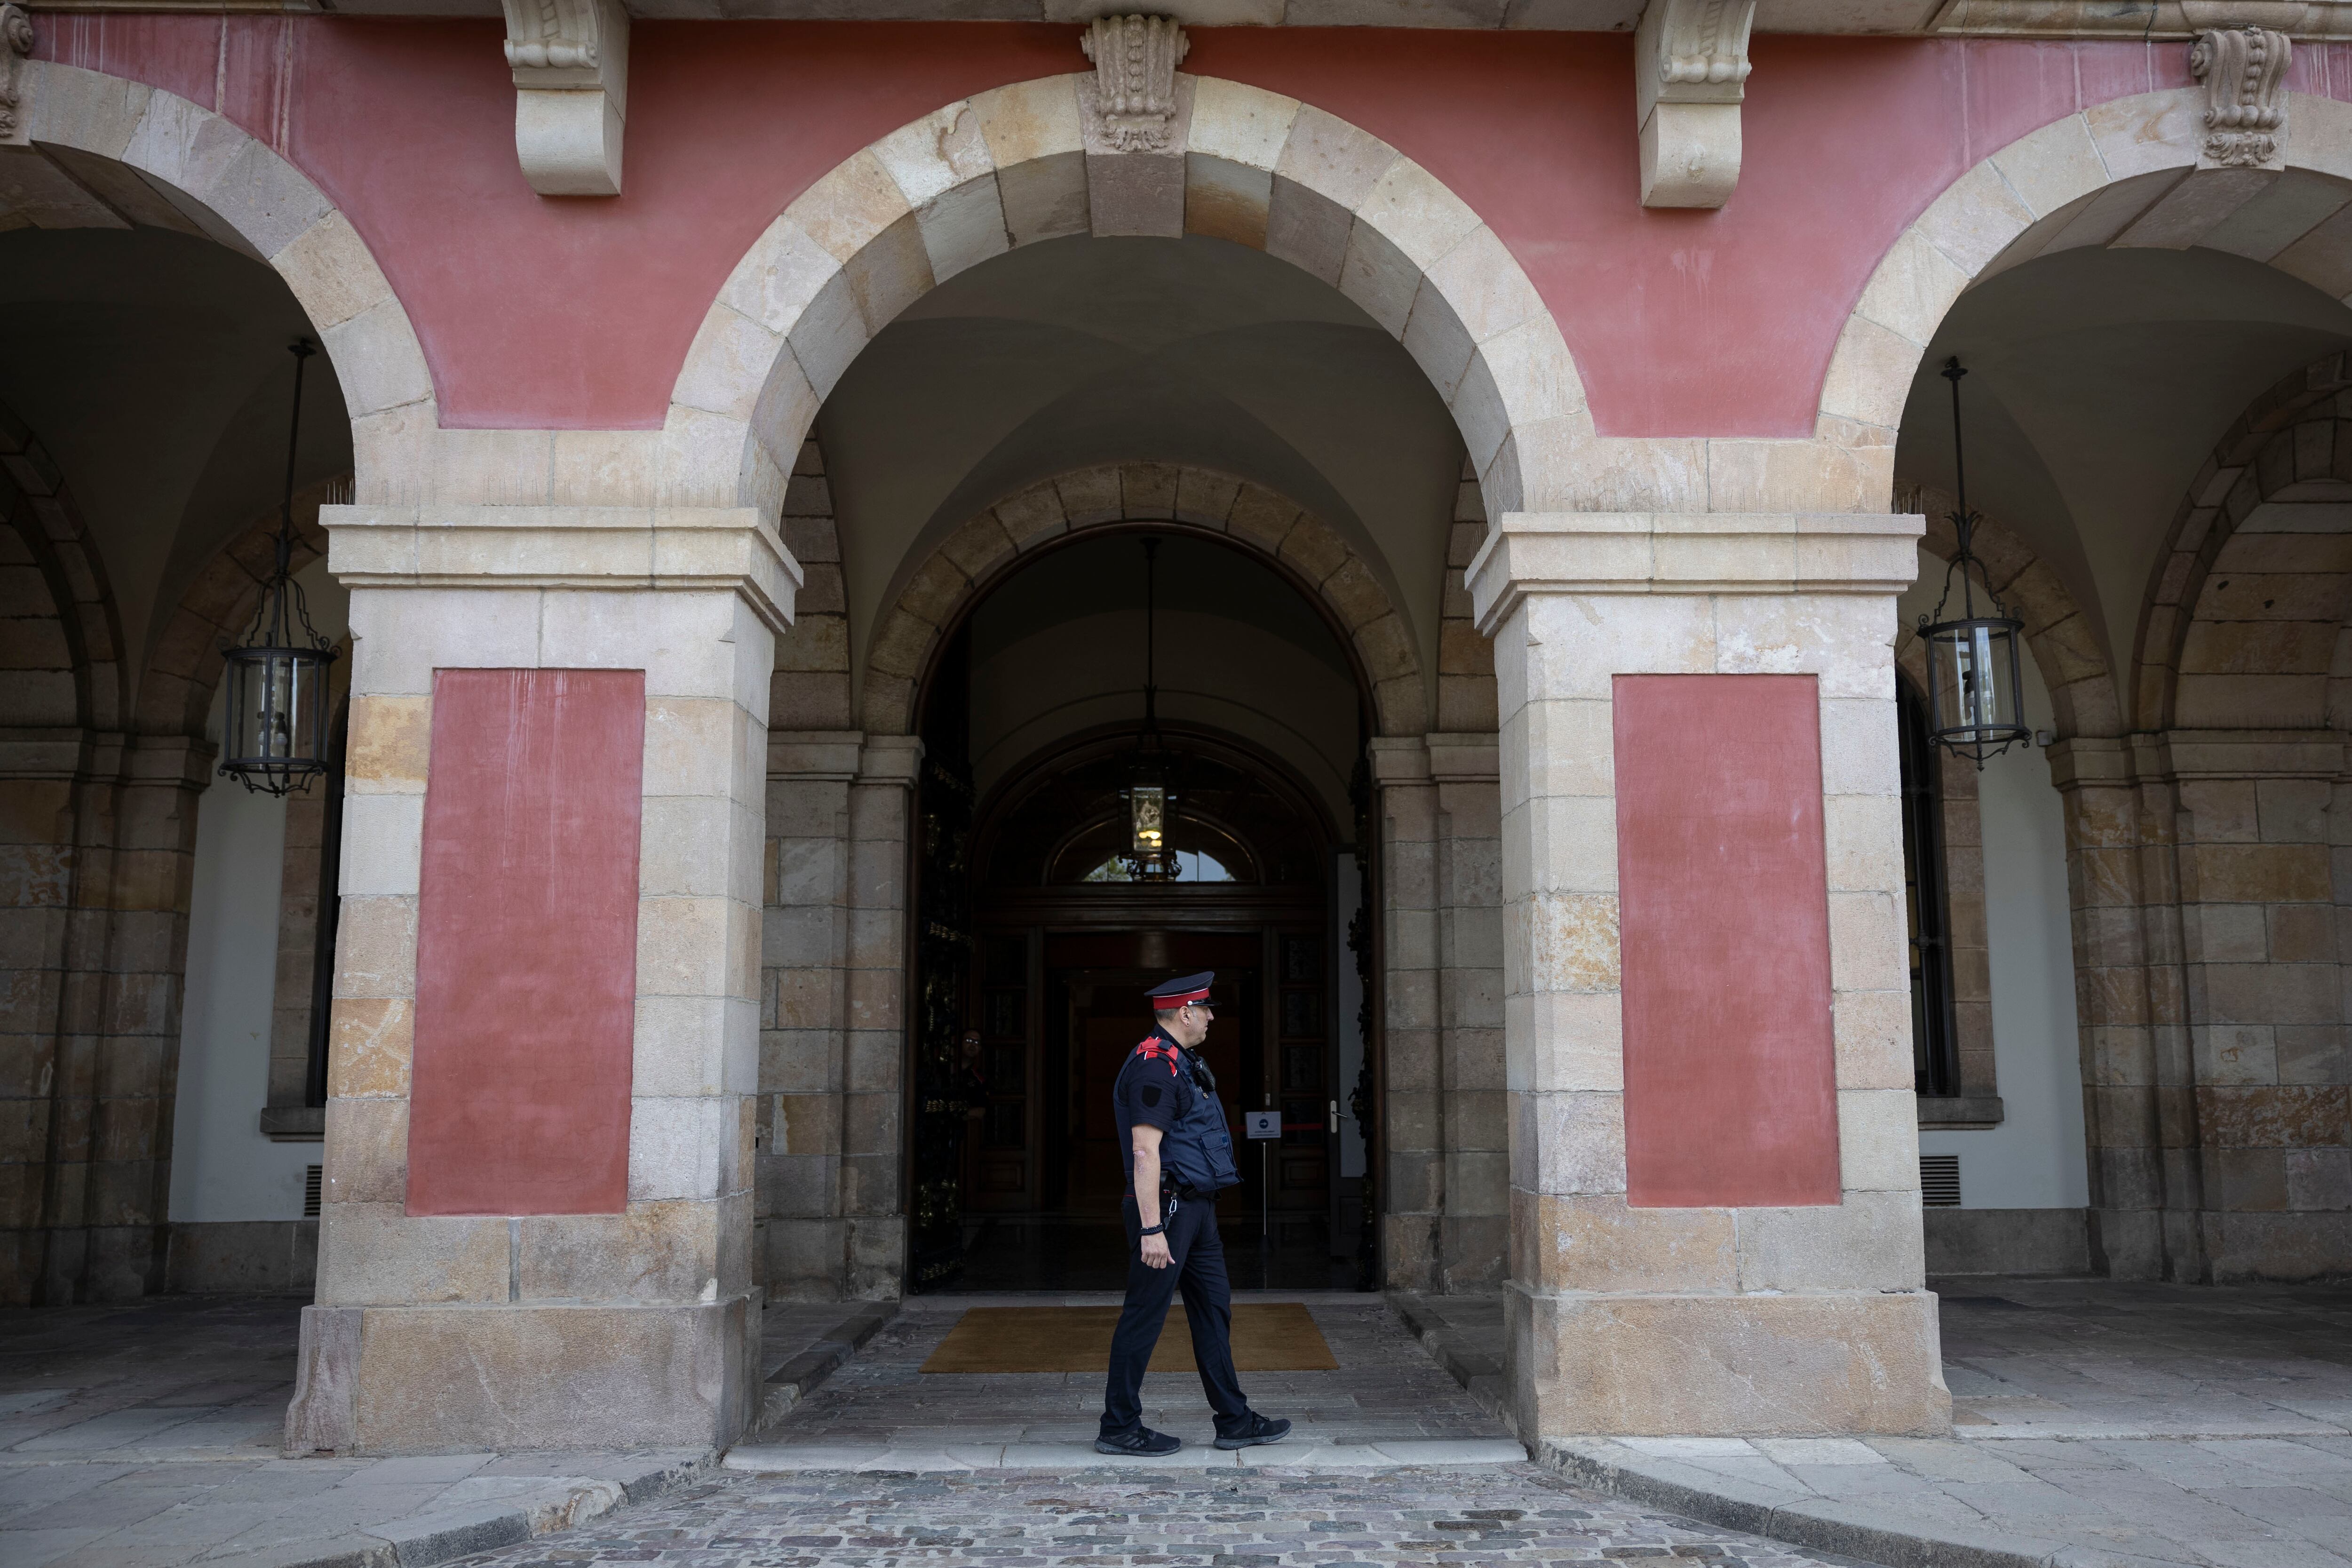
(1150,793)
(276,739)
(1975,703)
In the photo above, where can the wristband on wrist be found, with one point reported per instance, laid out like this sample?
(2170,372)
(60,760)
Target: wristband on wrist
(1153,1229)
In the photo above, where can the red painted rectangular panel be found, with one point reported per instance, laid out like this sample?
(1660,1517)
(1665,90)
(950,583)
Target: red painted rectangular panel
(1730,1067)
(527,942)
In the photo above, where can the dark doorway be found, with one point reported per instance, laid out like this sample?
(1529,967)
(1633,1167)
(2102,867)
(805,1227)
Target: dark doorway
(1065,948)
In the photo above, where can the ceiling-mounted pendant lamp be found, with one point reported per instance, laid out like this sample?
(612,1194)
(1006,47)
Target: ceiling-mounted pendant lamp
(276,738)
(1975,703)
(1149,788)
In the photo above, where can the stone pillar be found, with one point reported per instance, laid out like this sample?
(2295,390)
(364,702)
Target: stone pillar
(1474,1237)
(99,829)
(804,1007)
(1412,1077)
(637,1327)
(2214,1056)
(873,1157)
(1716,1315)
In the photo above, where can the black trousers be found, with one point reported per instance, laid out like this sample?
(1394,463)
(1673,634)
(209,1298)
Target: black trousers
(1199,1270)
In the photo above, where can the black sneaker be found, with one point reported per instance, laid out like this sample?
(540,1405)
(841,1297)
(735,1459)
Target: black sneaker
(1143,1443)
(1260,1430)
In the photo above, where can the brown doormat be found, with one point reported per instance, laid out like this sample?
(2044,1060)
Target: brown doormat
(1267,1337)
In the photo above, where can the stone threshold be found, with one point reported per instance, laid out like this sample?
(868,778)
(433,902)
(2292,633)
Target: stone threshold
(949,1454)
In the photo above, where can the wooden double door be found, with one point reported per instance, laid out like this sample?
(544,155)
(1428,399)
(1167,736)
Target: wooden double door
(1059,1009)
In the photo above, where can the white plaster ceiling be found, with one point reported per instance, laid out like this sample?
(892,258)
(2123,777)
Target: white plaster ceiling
(2099,382)
(1079,352)
(1057,651)
(154,367)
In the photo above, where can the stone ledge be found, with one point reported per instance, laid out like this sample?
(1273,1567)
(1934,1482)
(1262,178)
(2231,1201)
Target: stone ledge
(616,549)
(1694,553)
(1960,1111)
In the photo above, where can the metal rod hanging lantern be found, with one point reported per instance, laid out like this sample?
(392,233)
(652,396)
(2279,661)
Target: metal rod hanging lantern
(1976,702)
(276,738)
(1148,792)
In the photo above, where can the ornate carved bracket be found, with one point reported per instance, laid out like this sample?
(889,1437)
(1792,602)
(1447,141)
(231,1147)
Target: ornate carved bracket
(15,41)
(2245,104)
(1690,75)
(1135,78)
(571,64)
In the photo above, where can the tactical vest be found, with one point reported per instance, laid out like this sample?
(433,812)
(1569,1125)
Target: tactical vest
(1197,1152)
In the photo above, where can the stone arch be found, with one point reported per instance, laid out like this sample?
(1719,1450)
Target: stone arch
(122,154)
(2118,174)
(1015,164)
(63,658)
(1302,546)
(2207,662)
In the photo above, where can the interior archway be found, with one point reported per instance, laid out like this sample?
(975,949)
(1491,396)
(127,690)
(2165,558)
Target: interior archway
(1037,733)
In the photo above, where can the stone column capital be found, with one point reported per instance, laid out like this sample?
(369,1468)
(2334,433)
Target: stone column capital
(1398,760)
(1690,553)
(815,754)
(890,759)
(613,548)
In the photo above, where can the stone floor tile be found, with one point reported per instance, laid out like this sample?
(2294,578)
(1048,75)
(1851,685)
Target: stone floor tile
(39,1548)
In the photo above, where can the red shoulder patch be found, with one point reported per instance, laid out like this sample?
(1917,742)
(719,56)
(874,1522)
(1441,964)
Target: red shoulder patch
(1150,1049)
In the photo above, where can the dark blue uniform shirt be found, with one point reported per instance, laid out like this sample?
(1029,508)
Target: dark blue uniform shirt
(1155,1087)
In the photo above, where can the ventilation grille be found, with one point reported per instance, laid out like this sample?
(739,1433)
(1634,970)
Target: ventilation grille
(312,1177)
(1939,1181)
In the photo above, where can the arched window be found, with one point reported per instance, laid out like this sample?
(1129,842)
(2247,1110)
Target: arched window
(1935,1057)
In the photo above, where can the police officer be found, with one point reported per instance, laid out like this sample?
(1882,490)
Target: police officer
(1179,1154)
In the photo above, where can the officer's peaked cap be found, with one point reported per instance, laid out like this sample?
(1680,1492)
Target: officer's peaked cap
(1182,991)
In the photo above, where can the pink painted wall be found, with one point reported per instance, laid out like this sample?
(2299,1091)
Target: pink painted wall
(526,943)
(577,313)
(1730,1066)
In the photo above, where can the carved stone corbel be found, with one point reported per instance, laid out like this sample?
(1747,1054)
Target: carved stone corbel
(1132,117)
(15,42)
(1690,75)
(2243,69)
(571,64)
(1134,106)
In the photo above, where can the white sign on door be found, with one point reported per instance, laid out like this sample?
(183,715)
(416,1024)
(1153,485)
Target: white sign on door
(1263,1123)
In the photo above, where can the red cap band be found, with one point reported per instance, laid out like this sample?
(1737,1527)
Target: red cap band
(1169,1004)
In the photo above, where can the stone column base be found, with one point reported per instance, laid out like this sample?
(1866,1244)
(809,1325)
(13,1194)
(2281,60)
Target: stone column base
(464,1378)
(1676,1365)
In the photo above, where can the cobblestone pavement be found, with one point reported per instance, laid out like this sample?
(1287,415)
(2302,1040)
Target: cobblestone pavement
(1012,1518)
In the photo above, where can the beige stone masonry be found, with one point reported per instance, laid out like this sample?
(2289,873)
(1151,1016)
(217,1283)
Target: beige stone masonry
(1801,1320)
(653,1313)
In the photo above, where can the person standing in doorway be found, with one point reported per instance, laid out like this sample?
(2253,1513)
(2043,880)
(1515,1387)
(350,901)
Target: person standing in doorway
(1180,1155)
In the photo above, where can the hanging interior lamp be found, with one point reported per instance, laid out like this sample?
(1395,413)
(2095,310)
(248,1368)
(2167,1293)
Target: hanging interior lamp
(1975,705)
(276,738)
(1150,788)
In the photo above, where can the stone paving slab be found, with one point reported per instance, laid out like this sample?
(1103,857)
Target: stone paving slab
(147,1435)
(2099,1425)
(1263,1518)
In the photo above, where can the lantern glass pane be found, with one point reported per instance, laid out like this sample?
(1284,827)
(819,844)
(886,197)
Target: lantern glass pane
(1974,669)
(1148,804)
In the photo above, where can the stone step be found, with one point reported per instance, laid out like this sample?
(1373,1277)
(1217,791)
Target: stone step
(948,1452)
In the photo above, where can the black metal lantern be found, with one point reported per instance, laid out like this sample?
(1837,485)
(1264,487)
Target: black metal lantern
(276,738)
(1151,791)
(1975,705)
